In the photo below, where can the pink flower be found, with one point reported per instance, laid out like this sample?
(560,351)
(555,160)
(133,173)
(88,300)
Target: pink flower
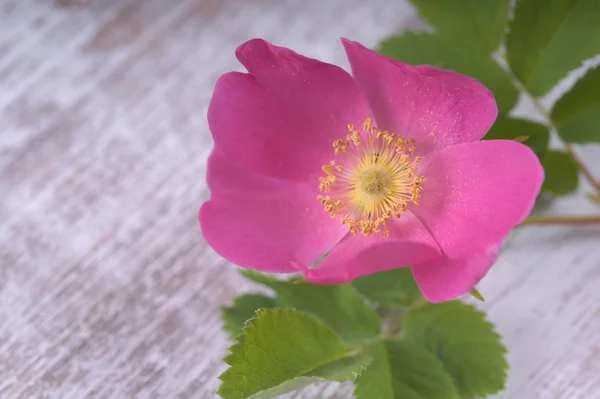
(376,171)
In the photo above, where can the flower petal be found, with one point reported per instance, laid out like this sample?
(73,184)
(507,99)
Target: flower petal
(282,118)
(445,279)
(264,223)
(436,107)
(353,257)
(474,193)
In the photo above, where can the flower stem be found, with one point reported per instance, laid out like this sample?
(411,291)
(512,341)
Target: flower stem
(396,324)
(542,110)
(394,327)
(584,170)
(561,220)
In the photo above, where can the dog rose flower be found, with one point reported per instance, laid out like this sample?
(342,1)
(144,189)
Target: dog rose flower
(342,176)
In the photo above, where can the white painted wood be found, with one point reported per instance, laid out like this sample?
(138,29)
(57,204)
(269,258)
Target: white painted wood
(107,289)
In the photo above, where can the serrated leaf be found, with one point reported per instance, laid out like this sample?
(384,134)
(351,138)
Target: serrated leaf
(390,288)
(280,345)
(477,24)
(404,370)
(561,173)
(549,38)
(464,341)
(507,128)
(243,308)
(425,48)
(376,381)
(577,114)
(340,370)
(339,306)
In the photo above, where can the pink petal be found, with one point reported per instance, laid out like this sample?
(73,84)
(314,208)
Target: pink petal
(282,118)
(358,256)
(264,223)
(473,194)
(445,279)
(436,107)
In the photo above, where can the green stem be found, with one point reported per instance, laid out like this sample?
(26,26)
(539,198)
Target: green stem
(396,324)
(540,107)
(542,110)
(584,170)
(394,327)
(561,220)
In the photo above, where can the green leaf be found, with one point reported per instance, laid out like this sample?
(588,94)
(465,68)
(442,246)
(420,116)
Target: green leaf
(258,277)
(344,369)
(376,381)
(577,114)
(511,128)
(549,38)
(424,48)
(281,350)
(478,24)
(243,308)
(464,342)
(339,306)
(594,198)
(521,139)
(476,294)
(404,370)
(561,173)
(390,288)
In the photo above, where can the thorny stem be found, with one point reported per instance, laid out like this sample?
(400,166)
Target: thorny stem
(561,220)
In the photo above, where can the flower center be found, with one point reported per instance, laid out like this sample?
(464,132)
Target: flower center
(374,182)
(372,179)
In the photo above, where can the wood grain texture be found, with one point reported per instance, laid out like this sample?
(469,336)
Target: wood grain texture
(107,289)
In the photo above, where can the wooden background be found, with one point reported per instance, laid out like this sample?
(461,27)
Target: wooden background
(107,289)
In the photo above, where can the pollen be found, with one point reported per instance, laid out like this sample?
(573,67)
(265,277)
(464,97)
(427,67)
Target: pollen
(372,179)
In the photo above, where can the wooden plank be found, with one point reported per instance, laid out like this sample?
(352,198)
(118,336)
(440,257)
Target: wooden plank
(107,289)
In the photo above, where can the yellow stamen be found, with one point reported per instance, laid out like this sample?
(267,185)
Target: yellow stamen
(374,179)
